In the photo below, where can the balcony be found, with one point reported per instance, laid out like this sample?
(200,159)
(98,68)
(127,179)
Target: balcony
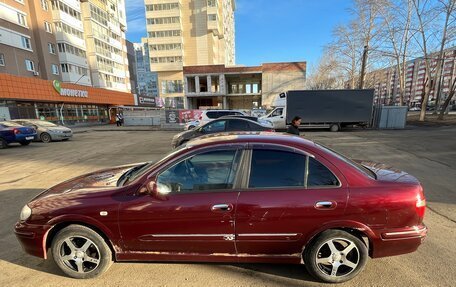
(67,19)
(73,40)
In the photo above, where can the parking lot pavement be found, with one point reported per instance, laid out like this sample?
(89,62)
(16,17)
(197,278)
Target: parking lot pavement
(428,154)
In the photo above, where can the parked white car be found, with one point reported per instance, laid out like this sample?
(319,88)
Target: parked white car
(209,115)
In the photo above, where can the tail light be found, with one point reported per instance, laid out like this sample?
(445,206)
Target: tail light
(16,131)
(200,118)
(420,205)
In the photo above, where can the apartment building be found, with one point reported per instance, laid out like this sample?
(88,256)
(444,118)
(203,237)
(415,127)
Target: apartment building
(386,81)
(188,33)
(74,41)
(27,44)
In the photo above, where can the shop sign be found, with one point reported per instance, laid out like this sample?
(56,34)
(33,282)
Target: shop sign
(69,92)
(182,116)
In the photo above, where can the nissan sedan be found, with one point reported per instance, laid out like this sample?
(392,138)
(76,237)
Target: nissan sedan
(230,198)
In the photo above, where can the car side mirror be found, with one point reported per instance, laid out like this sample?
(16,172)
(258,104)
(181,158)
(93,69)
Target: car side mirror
(150,188)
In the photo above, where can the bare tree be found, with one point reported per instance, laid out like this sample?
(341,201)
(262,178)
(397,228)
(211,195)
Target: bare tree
(452,91)
(397,17)
(447,8)
(326,75)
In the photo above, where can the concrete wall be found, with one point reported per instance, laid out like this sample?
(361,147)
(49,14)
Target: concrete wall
(276,82)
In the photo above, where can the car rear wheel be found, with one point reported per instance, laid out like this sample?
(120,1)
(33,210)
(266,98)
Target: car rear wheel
(45,137)
(25,142)
(335,256)
(3,144)
(80,252)
(334,128)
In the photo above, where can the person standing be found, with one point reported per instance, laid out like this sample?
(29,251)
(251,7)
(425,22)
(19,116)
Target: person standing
(118,120)
(294,127)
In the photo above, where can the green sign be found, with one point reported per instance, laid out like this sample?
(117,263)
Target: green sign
(57,86)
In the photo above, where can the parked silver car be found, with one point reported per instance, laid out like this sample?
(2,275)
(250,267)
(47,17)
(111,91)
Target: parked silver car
(47,131)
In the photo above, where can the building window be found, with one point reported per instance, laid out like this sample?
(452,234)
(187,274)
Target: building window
(55,69)
(163,20)
(191,85)
(212,17)
(30,66)
(164,6)
(20,1)
(215,84)
(26,43)
(169,87)
(51,48)
(2,60)
(21,19)
(48,27)
(44,5)
(168,33)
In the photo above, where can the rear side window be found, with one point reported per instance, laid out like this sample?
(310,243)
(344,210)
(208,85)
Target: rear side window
(320,175)
(214,127)
(212,115)
(238,125)
(274,168)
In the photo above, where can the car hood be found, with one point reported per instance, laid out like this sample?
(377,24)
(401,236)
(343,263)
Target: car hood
(385,172)
(88,183)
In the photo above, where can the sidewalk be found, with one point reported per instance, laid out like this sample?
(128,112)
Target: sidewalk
(114,127)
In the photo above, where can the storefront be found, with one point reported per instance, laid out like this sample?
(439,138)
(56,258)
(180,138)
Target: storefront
(68,104)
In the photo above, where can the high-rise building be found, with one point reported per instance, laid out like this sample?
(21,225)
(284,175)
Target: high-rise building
(131,56)
(27,42)
(147,81)
(105,24)
(188,33)
(73,41)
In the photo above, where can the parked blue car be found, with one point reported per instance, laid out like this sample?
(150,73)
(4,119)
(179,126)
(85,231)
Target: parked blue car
(11,132)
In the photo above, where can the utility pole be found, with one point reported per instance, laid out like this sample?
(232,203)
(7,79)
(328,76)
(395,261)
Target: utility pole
(363,68)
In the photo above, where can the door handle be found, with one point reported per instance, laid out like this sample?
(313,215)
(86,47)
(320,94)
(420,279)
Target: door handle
(325,205)
(222,207)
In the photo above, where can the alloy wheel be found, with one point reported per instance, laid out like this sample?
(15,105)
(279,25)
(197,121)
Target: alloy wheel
(79,254)
(337,257)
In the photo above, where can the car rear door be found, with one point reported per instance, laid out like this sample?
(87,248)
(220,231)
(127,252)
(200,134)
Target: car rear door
(194,214)
(237,125)
(287,196)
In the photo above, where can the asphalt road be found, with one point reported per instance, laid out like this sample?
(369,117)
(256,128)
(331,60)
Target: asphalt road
(429,154)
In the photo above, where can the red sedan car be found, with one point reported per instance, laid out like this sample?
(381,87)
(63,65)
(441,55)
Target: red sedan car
(230,198)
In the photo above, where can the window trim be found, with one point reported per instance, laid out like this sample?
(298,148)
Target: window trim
(237,177)
(279,147)
(2,58)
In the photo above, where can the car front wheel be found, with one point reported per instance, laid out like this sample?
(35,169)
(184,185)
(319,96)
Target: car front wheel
(80,252)
(335,256)
(45,137)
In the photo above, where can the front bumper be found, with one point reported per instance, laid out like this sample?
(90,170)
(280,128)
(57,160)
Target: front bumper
(32,238)
(61,136)
(398,241)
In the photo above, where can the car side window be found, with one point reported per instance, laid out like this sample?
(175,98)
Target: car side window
(214,170)
(212,115)
(238,125)
(320,175)
(276,168)
(214,127)
(277,112)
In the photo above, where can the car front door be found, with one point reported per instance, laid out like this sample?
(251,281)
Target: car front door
(277,118)
(289,195)
(193,212)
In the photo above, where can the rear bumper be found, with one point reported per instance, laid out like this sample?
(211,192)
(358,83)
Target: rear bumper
(23,137)
(398,241)
(32,238)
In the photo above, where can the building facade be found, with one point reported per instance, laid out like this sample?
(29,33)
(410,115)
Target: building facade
(73,41)
(386,81)
(27,46)
(147,82)
(187,33)
(218,86)
(131,57)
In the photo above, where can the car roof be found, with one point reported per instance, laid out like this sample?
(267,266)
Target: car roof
(253,118)
(251,137)
(234,118)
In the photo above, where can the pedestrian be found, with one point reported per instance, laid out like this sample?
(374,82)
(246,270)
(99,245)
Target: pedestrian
(118,120)
(294,127)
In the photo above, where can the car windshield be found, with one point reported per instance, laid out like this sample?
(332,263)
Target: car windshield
(137,171)
(44,124)
(10,124)
(356,165)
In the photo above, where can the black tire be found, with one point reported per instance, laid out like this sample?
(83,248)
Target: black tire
(64,140)
(25,142)
(334,127)
(92,262)
(190,127)
(330,261)
(45,137)
(3,144)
